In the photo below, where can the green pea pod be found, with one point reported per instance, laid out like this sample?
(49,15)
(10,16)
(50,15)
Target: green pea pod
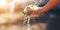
(27,11)
(35,4)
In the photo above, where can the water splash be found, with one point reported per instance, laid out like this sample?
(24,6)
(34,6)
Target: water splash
(27,23)
(27,18)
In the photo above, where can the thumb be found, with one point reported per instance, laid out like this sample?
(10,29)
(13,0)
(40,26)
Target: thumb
(30,8)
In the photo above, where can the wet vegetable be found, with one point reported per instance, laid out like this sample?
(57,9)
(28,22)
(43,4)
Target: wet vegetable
(26,11)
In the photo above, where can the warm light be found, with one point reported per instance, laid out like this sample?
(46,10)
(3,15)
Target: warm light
(3,2)
(12,6)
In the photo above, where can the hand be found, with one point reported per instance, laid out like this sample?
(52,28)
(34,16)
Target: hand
(35,10)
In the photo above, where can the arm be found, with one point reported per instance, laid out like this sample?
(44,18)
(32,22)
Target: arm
(51,4)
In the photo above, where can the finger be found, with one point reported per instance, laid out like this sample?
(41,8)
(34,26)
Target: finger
(33,13)
(29,8)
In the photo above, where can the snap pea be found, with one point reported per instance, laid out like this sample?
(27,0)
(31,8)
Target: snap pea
(27,12)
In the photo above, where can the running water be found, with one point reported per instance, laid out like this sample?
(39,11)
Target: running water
(26,23)
(27,18)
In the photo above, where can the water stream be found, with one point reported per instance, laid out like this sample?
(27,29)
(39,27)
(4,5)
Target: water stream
(26,23)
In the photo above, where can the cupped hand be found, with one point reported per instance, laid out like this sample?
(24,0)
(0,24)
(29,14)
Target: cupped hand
(35,10)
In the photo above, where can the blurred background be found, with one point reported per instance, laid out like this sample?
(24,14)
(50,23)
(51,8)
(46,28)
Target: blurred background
(48,21)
